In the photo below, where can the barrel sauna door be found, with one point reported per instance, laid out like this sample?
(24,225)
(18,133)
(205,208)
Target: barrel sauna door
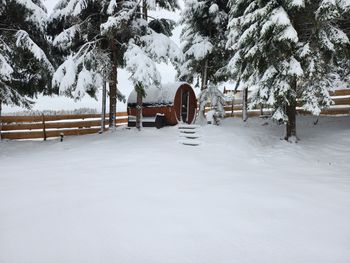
(184,106)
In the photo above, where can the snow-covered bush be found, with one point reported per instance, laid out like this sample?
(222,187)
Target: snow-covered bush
(216,99)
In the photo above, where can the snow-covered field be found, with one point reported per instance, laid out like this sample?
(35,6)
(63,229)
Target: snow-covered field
(243,195)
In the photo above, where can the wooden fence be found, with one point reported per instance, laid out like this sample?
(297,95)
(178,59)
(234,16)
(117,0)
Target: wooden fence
(46,126)
(341,106)
(33,127)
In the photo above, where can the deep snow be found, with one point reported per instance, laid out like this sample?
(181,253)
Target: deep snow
(243,195)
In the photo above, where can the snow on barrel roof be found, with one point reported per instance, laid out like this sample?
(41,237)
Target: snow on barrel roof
(158,95)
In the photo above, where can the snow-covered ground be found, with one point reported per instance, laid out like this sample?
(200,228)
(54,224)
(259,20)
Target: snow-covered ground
(243,195)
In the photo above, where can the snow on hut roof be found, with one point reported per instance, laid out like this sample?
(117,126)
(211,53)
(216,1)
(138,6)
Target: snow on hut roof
(163,95)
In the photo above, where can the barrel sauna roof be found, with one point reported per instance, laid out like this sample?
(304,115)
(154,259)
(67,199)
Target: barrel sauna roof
(163,95)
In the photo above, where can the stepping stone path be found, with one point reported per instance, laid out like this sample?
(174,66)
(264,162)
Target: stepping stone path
(189,135)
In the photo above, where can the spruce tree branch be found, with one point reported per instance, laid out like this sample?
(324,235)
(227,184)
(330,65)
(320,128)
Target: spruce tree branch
(9,29)
(87,18)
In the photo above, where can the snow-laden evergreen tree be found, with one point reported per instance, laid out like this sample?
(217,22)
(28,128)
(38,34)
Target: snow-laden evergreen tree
(25,68)
(149,44)
(289,49)
(203,40)
(323,51)
(213,96)
(100,36)
(86,57)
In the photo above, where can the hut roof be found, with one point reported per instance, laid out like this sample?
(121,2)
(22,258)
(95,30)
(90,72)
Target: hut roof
(163,95)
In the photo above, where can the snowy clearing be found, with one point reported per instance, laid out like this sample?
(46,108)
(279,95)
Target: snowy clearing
(243,195)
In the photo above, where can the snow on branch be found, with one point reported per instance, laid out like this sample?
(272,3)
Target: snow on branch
(161,48)
(38,14)
(200,47)
(111,7)
(279,17)
(120,19)
(5,69)
(143,70)
(82,72)
(24,41)
(65,75)
(65,38)
(10,96)
(66,8)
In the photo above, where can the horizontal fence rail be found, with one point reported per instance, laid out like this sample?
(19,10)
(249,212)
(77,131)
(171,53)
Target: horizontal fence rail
(340,106)
(46,126)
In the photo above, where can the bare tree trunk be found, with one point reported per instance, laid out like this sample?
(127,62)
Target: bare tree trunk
(113,86)
(139,89)
(205,75)
(291,131)
(144,10)
(139,111)
(0,119)
(245,105)
(103,115)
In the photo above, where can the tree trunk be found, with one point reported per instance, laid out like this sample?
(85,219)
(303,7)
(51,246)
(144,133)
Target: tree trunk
(0,120)
(291,131)
(103,115)
(204,75)
(113,86)
(144,10)
(245,105)
(139,111)
(138,89)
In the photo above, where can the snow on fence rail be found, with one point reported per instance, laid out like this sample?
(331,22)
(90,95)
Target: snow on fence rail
(341,106)
(36,127)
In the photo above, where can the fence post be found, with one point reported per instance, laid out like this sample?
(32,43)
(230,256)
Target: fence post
(44,128)
(233,105)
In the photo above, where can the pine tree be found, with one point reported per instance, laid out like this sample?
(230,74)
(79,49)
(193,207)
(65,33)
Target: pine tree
(86,58)
(149,43)
(25,68)
(102,36)
(203,40)
(283,54)
(323,50)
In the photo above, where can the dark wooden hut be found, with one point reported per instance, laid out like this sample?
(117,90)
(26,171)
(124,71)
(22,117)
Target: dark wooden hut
(167,105)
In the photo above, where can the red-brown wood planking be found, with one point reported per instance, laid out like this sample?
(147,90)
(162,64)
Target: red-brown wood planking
(32,127)
(11,119)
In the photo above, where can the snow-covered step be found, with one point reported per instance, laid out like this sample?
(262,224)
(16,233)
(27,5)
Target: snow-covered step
(188,127)
(190,142)
(188,131)
(190,136)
